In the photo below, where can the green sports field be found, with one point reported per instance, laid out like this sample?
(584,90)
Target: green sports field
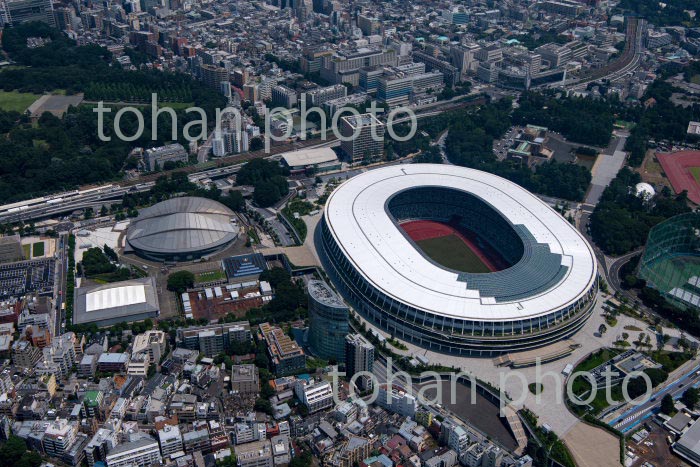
(450,251)
(16,101)
(695,172)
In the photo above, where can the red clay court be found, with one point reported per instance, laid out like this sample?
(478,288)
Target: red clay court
(450,247)
(678,168)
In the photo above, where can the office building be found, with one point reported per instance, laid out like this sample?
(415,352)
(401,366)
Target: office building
(282,96)
(286,357)
(344,67)
(256,454)
(395,399)
(113,362)
(152,343)
(142,452)
(364,136)
(318,97)
(328,322)
(138,365)
(399,88)
(248,432)
(197,440)
(23,11)
(24,354)
(58,437)
(156,158)
(359,357)
(214,339)
(92,403)
(315,396)
(245,380)
(59,358)
(281,450)
(100,444)
(170,440)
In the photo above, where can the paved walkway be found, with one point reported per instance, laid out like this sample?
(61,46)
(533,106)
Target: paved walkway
(605,169)
(550,405)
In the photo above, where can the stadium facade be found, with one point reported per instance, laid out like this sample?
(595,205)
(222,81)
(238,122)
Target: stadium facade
(181,229)
(546,293)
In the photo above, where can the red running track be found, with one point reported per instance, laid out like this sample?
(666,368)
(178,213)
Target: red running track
(676,165)
(425,230)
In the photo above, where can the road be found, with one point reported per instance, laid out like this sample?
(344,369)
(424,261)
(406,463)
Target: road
(61,272)
(637,415)
(628,62)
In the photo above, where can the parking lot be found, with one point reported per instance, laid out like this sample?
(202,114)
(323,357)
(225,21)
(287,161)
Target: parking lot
(34,275)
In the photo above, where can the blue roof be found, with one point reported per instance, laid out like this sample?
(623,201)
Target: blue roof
(244,265)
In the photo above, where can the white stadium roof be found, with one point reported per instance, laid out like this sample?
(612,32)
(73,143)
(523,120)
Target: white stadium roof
(371,240)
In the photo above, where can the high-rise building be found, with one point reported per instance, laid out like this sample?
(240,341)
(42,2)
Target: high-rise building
(359,356)
(100,444)
(364,136)
(170,440)
(328,322)
(286,356)
(151,342)
(59,436)
(22,11)
(213,76)
(284,96)
(315,396)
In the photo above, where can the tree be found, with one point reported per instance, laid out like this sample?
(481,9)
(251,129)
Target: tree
(180,281)
(667,405)
(602,329)
(95,261)
(691,397)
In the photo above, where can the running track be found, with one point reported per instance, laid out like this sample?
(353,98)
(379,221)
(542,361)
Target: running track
(676,165)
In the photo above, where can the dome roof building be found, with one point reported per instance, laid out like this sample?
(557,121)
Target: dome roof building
(181,229)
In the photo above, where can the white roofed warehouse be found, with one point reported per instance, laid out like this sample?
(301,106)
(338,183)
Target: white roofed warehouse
(109,304)
(456,260)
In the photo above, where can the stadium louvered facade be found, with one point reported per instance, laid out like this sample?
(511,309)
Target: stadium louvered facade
(545,293)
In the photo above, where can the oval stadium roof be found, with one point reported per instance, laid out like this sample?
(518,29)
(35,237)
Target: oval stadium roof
(557,269)
(182,225)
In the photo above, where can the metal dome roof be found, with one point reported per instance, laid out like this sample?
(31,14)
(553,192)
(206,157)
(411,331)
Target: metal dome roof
(182,225)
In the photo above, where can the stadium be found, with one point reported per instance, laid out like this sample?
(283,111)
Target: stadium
(671,259)
(456,260)
(181,229)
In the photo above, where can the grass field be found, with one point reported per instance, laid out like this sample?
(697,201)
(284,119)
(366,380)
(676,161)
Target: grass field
(27,251)
(37,249)
(450,251)
(209,276)
(16,101)
(695,172)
